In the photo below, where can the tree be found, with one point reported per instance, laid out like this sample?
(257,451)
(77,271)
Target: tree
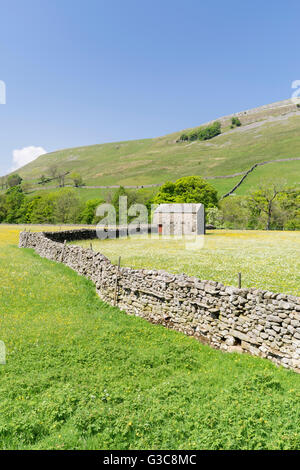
(235,213)
(61,179)
(264,200)
(43,179)
(88,215)
(189,189)
(77,179)
(213,217)
(3,182)
(53,171)
(289,202)
(3,208)
(139,196)
(67,206)
(13,201)
(39,209)
(132,198)
(14,180)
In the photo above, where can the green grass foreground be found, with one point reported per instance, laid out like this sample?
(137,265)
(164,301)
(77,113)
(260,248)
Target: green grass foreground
(82,375)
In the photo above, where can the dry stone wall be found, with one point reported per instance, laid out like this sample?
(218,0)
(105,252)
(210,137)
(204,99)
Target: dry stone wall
(280,108)
(259,322)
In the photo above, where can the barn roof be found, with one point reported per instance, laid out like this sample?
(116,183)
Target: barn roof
(178,208)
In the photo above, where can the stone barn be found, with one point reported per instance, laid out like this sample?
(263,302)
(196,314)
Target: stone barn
(180,219)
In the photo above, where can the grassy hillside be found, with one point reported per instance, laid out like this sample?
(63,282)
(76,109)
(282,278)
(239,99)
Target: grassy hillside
(267,133)
(82,375)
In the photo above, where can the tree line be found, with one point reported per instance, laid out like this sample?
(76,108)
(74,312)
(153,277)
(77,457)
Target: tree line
(62,206)
(273,206)
(59,177)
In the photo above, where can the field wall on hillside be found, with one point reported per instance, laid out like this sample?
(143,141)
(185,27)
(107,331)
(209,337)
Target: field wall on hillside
(269,111)
(259,322)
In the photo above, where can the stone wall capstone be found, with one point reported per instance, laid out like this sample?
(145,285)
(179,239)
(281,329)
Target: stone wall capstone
(259,322)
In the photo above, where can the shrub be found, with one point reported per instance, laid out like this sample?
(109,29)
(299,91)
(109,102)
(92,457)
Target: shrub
(203,133)
(193,135)
(77,179)
(235,122)
(14,180)
(183,137)
(206,133)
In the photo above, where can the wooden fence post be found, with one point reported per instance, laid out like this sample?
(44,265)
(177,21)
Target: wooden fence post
(63,251)
(116,284)
(240,280)
(26,237)
(100,278)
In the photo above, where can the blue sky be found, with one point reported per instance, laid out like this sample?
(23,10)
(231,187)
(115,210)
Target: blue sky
(81,72)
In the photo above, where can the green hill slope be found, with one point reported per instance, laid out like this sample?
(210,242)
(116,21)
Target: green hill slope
(267,133)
